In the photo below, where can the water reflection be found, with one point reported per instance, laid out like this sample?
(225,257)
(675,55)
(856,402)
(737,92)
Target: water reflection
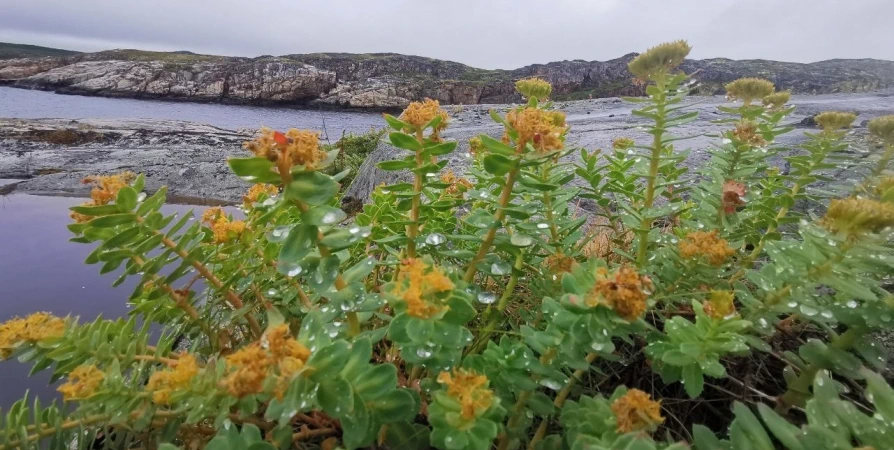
(40,270)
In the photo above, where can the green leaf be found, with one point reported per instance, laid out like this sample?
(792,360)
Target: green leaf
(328,361)
(404,141)
(693,380)
(112,220)
(495,146)
(784,431)
(254,170)
(127,199)
(440,149)
(677,358)
(313,188)
(397,405)
(336,397)
(323,215)
(407,436)
(498,165)
(396,123)
(395,165)
(298,244)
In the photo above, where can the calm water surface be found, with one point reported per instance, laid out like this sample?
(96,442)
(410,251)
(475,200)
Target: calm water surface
(40,270)
(28,104)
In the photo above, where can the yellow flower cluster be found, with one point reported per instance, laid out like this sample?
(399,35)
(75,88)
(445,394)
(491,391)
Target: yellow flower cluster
(534,87)
(419,114)
(165,382)
(105,190)
(636,411)
(883,128)
(749,89)
(476,147)
(256,191)
(853,216)
(82,383)
(559,263)
(707,244)
(34,328)
(659,60)
(458,185)
(622,143)
(416,283)
(223,228)
(470,390)
(777,100)
(831,121)
(746,133)
(278,352)
(544,130)
(720,304)
(624,291)
(292,148)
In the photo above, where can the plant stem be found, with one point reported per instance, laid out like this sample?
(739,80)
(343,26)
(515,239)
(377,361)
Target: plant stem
(499,215)
(413,228)
(646,225)
(799,390)
(519,408)
(548,203)
(560,401)
(495,316)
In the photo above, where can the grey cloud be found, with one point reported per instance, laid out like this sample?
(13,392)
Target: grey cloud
(481,33)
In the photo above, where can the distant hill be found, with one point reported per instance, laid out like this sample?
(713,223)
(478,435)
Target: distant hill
(390,80)
(12,51)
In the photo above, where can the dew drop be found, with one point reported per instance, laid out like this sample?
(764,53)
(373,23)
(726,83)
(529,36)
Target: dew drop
(543,226)
(435,239)
(808,310)
(487,297)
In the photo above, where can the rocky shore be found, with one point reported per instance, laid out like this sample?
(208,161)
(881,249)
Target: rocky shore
(387,80)
(53,155)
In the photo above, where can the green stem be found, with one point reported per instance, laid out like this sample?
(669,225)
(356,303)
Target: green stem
(548,203)
(499,215)
(518,409)
(560,401)
(646,224)
(495,316)
(799,390)
(413,227)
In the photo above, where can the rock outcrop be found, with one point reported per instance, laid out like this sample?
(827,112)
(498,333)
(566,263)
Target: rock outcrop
(391,81)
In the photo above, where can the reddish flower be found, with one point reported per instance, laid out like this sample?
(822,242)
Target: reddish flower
(280,138)
(732,196)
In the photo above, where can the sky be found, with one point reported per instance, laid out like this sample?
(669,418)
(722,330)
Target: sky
(491,34)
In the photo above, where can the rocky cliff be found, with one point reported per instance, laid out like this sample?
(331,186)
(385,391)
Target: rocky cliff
(387,80)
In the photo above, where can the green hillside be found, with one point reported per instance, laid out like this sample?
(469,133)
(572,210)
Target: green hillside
(10,51)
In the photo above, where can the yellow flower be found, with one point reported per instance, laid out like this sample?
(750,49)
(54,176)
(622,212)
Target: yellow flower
(853,216)
(82,383)
(105,190)
(622,143)
(31,329)
(223,229)
(256,191)
(458,185)
(558,263)
(749,89)
(277,354)
(660,60)
(624,291)
(544,130)
(720,304)
(707,244)
(777,100)
(470,390)
(833,120)
(534,87)
(636,411)
(746,133)
(417,283)
(883,128)
(292,148)
(419,114)
(163,383)
(475,146)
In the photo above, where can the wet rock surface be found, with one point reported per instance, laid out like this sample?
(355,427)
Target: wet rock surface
(190,158)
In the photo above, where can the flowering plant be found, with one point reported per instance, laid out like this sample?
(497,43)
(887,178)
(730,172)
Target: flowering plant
(486,310)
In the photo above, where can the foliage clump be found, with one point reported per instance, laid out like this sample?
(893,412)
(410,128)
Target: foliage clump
(705,310)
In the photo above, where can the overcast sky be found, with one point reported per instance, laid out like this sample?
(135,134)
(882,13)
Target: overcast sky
(482,33)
